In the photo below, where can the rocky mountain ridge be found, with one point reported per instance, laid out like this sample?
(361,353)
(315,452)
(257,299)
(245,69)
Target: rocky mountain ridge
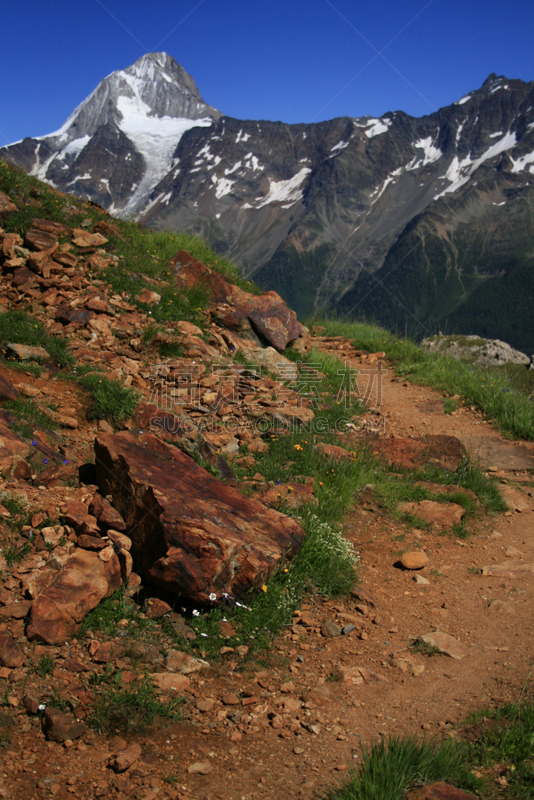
(413,222)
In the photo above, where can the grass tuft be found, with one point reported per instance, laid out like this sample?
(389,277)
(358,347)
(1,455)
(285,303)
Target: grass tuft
(389,769)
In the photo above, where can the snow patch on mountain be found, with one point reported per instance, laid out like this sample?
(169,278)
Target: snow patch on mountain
(459,172)
(377,126)
(288,192)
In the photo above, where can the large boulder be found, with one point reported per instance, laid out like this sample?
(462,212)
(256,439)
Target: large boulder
(191,533)
(86,578)
(475,350)
(268,315)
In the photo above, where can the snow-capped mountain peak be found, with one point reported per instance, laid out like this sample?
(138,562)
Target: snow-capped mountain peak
(141,113)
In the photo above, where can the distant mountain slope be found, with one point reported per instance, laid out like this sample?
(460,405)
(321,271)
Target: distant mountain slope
(419,223)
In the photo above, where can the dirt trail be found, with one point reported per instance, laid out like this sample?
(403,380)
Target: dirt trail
(311,710)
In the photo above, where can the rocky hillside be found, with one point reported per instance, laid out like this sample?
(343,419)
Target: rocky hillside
(176,463)
(417,223)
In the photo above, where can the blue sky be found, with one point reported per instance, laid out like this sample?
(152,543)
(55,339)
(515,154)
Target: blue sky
(289,60)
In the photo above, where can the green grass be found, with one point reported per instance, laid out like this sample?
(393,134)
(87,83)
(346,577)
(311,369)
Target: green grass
(506,742)
(105,617)
(44,666)
(389,769)
(28,417)
(33,199)
(109,399)
(19,327)
(130,708)
(491,390)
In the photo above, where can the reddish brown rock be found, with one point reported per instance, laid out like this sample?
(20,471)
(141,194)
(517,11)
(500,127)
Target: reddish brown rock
(59,727)
(414,559)
(148,297)
(439,791)
(190,272)
(269,316)
(81,584)
(7,390)
(515,499)
(445,515)
(156,608)
(7,206)
(50,226)
(22,276)
(83,238)
(109,651)
(65,259)
(11,447)
(445,643)
(40,240)
(88,542)
(10,653)
(191,533)
(76,316)
(171,681)
(445,452)
(9,242)
(333,451)
(510,569)
(24,352)
(107,516)
(124,759)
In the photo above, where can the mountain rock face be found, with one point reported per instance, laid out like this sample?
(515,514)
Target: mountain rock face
(419,223)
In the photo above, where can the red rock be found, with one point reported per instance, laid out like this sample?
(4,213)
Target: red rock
(171,681)
(76,316)
(439,791)
(10,653)
(200,768)
(9,242)
(510,569)
(31,704)
(191,533)
(15,610)
(230,699)
(40,240)
(11,447)
(446,644)
(226,628)
(7,390)
(445,452)
(26,352)
(65,259)
(270,317)
(50,226)
(7,206)
(515,499)
(22,276)
(414,559)
(88,542)
(59,727)
(81,584)
(83,238)
(124,759)
(189,272)
(98,304)
(156,608)
(443,514)
(106,515)
(109,651)
(148,297)
(333,451)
